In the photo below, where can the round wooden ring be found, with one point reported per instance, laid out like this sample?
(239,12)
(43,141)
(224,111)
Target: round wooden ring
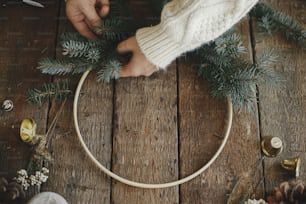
(138,184)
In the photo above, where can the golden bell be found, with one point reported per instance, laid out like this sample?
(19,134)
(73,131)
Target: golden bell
(293,164)
(271,146)
(28,131)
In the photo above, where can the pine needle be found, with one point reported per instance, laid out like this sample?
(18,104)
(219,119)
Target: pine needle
(62,67)
(111,70)
(53,91)
(113,29)
(271,22)
(221,64)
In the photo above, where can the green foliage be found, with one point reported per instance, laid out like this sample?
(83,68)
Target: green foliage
(81,55)
(230,44)
(79,47)
(64,66)
(111,70)
(270,21)
(52,91)
(113,29)
(221,64)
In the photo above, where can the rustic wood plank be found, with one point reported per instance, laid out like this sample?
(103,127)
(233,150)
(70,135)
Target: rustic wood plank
(283,111)
(3,158)
(27,34)
(72,174)
(145,139)
(145,136)
(201,117)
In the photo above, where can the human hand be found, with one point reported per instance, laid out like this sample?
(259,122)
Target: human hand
(85,15)
(138,65)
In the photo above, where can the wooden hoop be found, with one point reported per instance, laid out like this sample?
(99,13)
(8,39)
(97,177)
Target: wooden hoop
(138,184)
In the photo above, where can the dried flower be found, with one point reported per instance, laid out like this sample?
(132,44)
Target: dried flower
(261,201)
(32,180)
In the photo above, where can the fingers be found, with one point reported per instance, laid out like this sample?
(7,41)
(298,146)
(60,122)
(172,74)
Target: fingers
(78,21)
(139,64)
(83,29)
(85,16)
(102,7)
(133,71)
(138,68)
(92,18)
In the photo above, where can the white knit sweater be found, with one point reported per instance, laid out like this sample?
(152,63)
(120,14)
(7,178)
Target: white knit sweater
(186,25)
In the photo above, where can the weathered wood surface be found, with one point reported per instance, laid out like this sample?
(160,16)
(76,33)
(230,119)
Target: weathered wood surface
(145,143)
(202,118)
(27,34)
(282,112)
(155,129)
(145,140)
(78,180)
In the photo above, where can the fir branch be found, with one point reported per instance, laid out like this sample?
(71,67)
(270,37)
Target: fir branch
(266,75)
(230,75)
(74,48)
(78,38)
(110,70)
(62,67)
(222,52)
(230,44)
(271,22)
(54,91)
(113,29)
(93,55)
(78,47)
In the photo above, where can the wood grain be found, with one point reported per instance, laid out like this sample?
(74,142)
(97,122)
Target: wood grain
(72,174)
(201,119)
(145,132)
(145,139)
(283,112)
(155,129)
(24,39)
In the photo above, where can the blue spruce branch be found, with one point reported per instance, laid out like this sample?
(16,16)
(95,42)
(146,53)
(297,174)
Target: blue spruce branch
(53,91)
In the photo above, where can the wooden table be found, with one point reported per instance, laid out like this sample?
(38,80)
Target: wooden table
(154,129)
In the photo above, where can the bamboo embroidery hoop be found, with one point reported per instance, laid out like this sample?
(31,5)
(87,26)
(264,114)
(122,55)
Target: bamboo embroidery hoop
(138,184)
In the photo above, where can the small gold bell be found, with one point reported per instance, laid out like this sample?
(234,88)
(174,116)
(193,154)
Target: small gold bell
(28,131)
(271,146)
(293,164)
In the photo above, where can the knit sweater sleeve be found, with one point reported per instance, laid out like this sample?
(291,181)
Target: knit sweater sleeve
(186,25)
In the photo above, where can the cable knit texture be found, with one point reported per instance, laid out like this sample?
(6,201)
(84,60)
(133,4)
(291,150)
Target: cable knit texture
(186,25)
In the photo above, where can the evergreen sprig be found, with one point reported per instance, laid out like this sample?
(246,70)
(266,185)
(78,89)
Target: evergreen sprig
(231,44)
(83,55)
(110,70)
(64,66)
(270,21)
(113,29)
(53,91)
(221,64)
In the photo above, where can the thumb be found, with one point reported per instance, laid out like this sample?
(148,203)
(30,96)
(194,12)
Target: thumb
(127,71)
(127,45)
(92,17)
